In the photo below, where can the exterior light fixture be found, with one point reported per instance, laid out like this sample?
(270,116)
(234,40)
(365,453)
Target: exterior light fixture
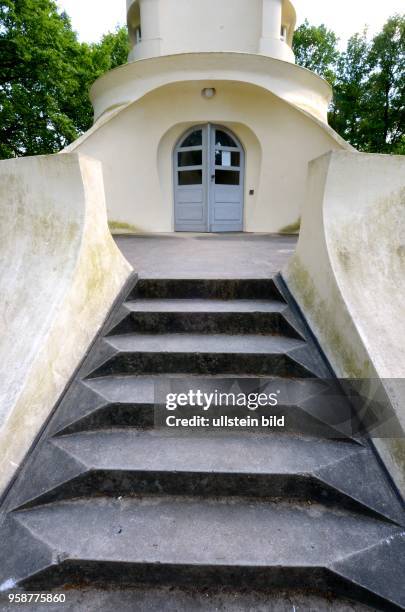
(208,92)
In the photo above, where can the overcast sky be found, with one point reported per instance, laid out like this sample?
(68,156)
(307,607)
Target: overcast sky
(92,18)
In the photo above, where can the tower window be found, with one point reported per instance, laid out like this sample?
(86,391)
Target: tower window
(138,35)
(284,33)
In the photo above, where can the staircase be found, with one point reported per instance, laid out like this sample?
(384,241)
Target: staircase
(249,520)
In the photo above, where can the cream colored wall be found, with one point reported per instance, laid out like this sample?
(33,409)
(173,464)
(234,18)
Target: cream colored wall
(229,25)
(60,272)
(136,147)
(296,85)
(195,26)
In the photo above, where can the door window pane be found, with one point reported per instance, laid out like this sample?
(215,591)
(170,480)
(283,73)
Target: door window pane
(227,177)
(222,139)
(227,158)
(190,158)
(190,177)
(193,140)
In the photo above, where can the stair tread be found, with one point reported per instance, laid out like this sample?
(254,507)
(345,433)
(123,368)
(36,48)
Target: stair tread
(125,389)
(200,531)
(202,343)
(253,454)
(205,305)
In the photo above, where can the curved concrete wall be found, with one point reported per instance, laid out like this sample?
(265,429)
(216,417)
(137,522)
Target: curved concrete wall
(136,148)
(60,273)
(348,275)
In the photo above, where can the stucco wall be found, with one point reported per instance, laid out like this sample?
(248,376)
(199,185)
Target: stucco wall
(348,275)
(136,146)
(187,24)
(60,273)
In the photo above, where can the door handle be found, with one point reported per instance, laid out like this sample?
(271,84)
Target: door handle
(212,177)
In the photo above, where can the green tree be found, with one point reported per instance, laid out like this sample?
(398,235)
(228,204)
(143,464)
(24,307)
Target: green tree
(316,48)
(112,51)
(385,94)
(45,76)
(348,110)
(368,107)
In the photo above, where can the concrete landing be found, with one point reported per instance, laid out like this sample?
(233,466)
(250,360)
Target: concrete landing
(207,255)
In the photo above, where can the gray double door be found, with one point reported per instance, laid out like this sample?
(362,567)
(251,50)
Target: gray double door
(209,181)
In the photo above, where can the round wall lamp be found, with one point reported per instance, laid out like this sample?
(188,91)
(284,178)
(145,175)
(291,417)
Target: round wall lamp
(208,93)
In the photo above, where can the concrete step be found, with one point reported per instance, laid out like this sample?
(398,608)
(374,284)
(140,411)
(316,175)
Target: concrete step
(206,317)
(222,289)
(133,462)
(205,542)
(206,306)
(130,401)
(204,355)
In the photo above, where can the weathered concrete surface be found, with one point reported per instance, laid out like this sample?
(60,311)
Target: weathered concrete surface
(207,255)
(60,272)
(348,275)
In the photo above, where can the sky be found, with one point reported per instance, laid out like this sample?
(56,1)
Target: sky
(92,18)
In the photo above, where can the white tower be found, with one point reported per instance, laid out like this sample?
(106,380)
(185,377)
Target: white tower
(167,27)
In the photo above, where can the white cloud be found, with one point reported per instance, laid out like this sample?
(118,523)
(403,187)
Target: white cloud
(92,18)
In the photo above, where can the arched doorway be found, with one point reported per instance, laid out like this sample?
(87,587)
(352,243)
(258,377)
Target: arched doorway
(209,166)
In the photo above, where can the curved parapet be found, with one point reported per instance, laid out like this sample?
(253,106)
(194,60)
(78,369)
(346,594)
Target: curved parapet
(299,87)
(348,276)
(60,273)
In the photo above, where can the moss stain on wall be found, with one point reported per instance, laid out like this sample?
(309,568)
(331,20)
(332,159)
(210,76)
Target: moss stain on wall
(335,343)
(119,227)
(293,228)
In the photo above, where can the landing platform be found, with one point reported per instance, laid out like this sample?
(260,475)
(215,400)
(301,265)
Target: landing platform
(207,255)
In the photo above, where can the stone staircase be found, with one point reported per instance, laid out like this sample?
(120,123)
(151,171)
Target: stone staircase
(232,521)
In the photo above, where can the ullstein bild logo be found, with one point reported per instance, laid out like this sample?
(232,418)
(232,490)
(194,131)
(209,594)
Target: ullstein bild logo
(224,421)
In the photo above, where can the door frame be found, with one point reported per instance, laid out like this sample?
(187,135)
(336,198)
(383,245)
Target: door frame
(208,164)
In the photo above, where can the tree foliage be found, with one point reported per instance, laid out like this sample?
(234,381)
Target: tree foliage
(316,48)
(385,89)
(45,76)
(368,78)
(347,113)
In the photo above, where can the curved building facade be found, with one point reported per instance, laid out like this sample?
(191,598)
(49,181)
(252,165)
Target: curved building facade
(208,69)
